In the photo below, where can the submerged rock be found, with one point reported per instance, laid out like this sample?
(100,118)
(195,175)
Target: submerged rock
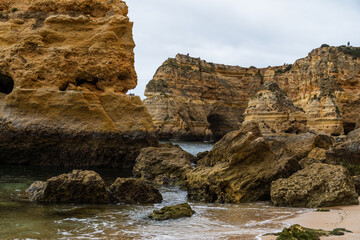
(172,212)
(132,190)
(75,187)
(239,168)
(166,164)
(318,185)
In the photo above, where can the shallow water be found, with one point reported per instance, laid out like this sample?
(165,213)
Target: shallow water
(21,219)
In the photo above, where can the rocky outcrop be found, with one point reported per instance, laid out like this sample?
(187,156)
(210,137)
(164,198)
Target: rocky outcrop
(64,72)
(318,185)
(166,164)
(347,153)
(239,168)
(132,190)
(189,98)
(75,187)
(274,111)
(172,212)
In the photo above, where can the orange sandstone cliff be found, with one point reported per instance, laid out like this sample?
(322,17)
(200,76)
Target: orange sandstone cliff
(65,68)
(192,99)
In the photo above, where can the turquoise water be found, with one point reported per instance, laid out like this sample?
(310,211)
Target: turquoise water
(21,219)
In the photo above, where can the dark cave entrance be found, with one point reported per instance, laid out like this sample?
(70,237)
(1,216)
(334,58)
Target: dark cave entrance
(6,84)
(218,125)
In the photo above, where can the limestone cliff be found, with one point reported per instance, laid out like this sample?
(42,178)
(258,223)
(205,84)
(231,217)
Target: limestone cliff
(191,98)
(274,111)
(65,68)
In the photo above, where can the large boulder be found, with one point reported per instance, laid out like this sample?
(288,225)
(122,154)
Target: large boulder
(75,187)
(318,185)
(132,190)
(165,164)
(65,70)
(239,168)
(172,212)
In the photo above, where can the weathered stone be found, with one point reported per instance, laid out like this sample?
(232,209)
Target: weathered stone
(132,190)
(165,164)
(191,98)
(299,146)
(172,212)
(318,185)
(347,153)
(239,168)
(274,111)
(75,187)
(64,72)
(317,155)
(356,180)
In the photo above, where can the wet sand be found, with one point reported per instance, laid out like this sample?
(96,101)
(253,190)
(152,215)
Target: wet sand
(339,217)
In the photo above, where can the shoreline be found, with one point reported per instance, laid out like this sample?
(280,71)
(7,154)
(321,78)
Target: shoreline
(339,217)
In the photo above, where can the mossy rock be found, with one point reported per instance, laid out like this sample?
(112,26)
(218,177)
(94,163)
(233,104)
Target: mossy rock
(172,212)
(297,232)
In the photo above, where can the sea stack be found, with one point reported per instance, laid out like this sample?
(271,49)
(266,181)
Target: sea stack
(65,69)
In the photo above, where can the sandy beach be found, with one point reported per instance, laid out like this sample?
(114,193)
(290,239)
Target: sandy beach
(339,217)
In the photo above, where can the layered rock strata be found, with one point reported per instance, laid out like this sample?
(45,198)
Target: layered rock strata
(189,98)
(65,68)
(274,111)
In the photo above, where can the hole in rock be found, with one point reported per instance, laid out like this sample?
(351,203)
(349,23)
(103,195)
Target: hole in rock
(6,84)
(219,126)
(348,127)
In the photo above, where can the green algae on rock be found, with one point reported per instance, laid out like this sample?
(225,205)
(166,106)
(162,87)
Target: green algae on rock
(172,212)
(297,232)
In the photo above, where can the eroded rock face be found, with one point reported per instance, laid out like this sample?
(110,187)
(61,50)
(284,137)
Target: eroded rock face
(166,164)
(132,190)
(189,98)
(274,111)
(64,72)
(318,185)
(239,168)
(347,153)
(75,187)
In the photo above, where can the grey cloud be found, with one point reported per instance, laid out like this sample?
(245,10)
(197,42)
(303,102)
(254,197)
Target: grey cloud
(237,32)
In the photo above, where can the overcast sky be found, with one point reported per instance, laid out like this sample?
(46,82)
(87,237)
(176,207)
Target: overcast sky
(247,33)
